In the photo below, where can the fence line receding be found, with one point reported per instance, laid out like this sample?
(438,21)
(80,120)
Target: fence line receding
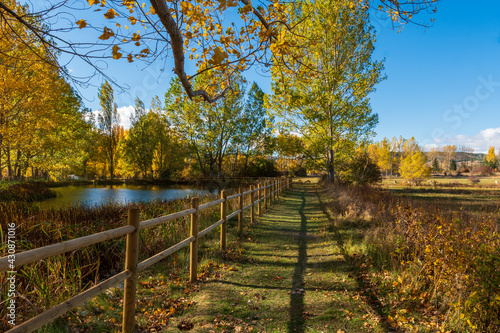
(271,190)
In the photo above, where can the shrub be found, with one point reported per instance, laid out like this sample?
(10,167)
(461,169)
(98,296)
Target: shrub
(483,170)
(361,170)
(261,167)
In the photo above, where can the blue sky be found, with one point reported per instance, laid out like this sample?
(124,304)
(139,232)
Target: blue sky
(443,84)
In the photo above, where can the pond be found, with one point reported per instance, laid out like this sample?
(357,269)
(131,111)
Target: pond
(122,194)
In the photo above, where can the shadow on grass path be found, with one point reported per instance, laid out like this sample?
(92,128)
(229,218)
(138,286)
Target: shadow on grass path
(297,319)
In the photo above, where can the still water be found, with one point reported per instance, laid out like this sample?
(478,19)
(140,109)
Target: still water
(95,195)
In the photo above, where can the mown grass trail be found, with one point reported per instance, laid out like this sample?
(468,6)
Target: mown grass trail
(290,278)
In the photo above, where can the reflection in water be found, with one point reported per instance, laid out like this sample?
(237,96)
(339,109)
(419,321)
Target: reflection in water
(96,195)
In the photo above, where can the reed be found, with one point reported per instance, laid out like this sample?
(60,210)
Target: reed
(26,191)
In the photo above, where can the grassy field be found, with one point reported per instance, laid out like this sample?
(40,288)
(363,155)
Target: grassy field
(479,198)
(441,180)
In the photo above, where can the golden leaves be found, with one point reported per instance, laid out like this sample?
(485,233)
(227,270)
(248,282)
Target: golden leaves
(107,34)
(186,8)
(116,55)
(94,2)
(208,41)
(81,23)
(130,4)
(110,14)
(132,20)
(224,4)
(218,56)
(136,37)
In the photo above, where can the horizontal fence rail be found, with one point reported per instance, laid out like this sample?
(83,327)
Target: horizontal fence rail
(272,189)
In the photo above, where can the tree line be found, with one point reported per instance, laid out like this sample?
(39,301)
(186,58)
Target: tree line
(317,118)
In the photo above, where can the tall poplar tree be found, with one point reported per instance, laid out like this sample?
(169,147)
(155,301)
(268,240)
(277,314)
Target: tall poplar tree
(108,121)
(141,142)
(256,125)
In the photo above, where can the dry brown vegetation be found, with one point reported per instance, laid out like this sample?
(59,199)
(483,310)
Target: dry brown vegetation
(437,266)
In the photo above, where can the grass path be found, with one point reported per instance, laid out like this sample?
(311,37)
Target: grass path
(292,277)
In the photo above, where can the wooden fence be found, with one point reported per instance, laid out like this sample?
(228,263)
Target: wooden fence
(271,189)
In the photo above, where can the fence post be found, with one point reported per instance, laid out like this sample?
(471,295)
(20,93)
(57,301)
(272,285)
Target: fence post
(223,212)
(271,194)
(259,196)
(131,255)
(266,191)
(275,190)
(240,215)
(193,258)
(252,213)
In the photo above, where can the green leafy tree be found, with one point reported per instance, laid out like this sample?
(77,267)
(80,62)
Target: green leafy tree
(435,165)
(255,127)
(208,129)
(324,93)
(453,165)
(290,151)
(170,153)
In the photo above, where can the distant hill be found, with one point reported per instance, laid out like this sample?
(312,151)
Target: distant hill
(464,160)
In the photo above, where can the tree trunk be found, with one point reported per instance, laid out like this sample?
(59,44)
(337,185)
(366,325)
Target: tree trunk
(111,165)
(1,165)
(235,162)
(17,169)
(9,164)
(160,173)
(331,166)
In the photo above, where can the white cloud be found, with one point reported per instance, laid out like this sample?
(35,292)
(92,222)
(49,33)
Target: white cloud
(480,142)
(124,113)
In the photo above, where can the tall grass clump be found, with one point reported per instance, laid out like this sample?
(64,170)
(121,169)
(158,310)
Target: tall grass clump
(25,191)
(442,263)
